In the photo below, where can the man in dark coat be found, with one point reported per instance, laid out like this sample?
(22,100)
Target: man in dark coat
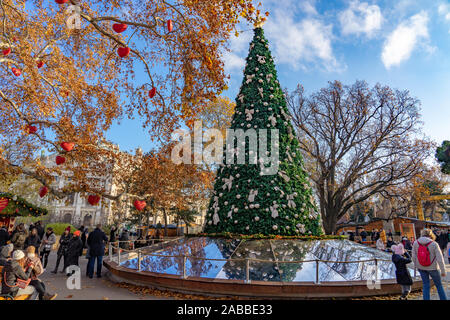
(33,240)
(74,250)
(40,229)
(96,242)
(442,240)
(4,236)
(63,244)
(363,234)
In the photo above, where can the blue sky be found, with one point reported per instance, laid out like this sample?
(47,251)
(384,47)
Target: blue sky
(404,44)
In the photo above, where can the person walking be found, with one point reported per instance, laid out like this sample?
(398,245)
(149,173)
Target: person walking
(427,257)
(61,253)
(14,270)
(401,258)
(96,241)
(442,240)
(19,237)
(33,240)
(74,251)
(4,235)
(48,240)
(37,270)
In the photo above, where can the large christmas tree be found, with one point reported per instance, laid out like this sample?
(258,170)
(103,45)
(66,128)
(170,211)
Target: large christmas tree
(247,200)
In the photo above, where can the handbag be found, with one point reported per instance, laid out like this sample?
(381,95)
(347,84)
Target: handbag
(22,284)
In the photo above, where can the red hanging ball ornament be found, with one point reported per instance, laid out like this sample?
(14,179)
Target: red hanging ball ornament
(43,191)
(61,1)
(40,64)
(6,51)
(3,203)
(119,27)
(30,129)
(93,200)
(68,146)
(60,160)
(139,205)
(17,72)
(123,52)
(152,92)
(169,25)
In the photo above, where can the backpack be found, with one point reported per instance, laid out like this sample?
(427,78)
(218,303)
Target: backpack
(423,254)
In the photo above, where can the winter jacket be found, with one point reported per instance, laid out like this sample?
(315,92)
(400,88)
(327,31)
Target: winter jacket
(4,257)
(73,252)
(435,255)
(96,242)
(51,240)
(18,239)
(38,269)
(63,243)
(442,240)
(11,272)
(4,236)
(33,240)
(389,244)
(40,231)
(401,272)
(112,236)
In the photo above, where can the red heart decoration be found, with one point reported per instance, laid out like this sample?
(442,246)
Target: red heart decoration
(93,200)
(17,72)
(43,191)
(169,25)
(60,160)
(30,129)
(61,1)
(3,203)
(119,27)
(139,205)
(40,64)
(6,51)
(68,146)
(123,52)
(152,92)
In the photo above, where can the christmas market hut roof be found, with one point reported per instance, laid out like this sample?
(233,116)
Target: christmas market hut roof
(14,206)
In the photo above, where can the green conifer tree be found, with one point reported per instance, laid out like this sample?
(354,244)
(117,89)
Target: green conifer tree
(245,200)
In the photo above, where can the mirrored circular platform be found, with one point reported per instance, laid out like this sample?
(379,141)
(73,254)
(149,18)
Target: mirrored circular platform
(268,260)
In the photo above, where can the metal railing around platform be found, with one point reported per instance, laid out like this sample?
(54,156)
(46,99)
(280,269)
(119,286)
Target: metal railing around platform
(139,255)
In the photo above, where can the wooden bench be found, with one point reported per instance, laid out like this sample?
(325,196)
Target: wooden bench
(8,296)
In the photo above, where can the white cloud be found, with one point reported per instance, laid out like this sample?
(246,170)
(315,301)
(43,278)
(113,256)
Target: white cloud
(360,17)
(295,43)
(444,10)
(404,39)
(235,60)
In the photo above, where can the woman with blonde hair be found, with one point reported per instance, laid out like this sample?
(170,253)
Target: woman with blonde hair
(35,263)
(427,257)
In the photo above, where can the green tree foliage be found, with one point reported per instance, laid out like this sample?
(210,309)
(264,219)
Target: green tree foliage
(283,204)
(443,156)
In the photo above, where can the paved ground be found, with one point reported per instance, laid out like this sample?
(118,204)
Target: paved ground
(446,284)
(91,289)
(104,289)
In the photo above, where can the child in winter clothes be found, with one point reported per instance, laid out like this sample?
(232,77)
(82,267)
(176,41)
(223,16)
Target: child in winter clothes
(401,258)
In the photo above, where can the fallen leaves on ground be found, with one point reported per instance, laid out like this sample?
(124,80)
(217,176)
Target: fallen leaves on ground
(171,294)
(69,296)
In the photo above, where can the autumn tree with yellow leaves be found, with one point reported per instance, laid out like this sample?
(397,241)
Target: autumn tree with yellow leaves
(71,68)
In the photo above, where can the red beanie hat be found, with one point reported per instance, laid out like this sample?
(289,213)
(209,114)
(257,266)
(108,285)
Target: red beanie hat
(77,233)
(68,229)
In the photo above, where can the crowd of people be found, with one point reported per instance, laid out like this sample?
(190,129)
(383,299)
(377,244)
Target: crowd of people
(428,254)
(24,256)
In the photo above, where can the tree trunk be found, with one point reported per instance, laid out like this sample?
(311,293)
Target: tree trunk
(165,223)
(187,227)
(329,222)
